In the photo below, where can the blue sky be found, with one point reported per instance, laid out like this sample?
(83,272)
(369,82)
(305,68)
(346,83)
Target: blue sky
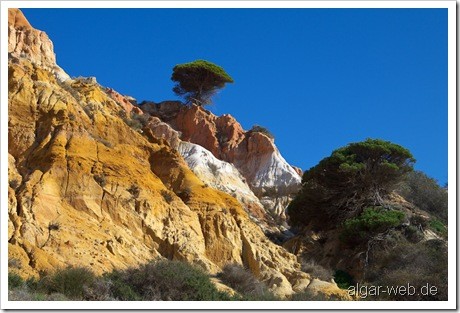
(317,78)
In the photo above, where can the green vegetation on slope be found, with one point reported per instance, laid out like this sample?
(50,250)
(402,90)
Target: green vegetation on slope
(263,130)
(353,177)
(425,193)
(370,222)
(348,201)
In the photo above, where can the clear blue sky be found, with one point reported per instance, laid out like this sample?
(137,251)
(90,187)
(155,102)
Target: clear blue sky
(317,78)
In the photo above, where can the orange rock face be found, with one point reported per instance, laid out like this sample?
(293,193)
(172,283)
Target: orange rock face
(124,101)
(254,154)
(24,41)
(16,19)
(198,126)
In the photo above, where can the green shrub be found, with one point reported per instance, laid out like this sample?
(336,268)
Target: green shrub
(119,289)
(134,120)
(25,294)
(438,227)
(160,280)
(370,222)
(70,281)
(263,130)
(134,124)
(343,279)
(14,263)
(142,119)
(14,280)
(172,280)
(32,282)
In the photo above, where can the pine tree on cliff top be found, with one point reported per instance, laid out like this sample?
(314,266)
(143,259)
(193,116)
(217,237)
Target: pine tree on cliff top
(198,81)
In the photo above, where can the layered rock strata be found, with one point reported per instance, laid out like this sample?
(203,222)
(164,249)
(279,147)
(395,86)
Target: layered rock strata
(254,154)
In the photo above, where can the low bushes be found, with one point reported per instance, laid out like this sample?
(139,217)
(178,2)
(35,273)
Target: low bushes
(425,193)
(134,120)
(421,264)
(316,270)
(70,281)
(245,283)
(171,280)
(119,289)
(14,280)
(158,280)
(309,295)
(438,226)
(263,130)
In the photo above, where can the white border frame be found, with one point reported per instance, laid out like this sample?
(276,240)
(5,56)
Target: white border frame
(278,305)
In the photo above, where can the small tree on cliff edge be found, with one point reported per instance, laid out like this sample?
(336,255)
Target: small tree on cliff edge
(198,81)
(355,176)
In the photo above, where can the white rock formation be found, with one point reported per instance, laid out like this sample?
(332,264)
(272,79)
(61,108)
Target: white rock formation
(216,173)
(271,171)
(272,179)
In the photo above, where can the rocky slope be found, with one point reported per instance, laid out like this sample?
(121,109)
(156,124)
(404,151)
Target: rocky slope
(412,251)
(87,189)
(213,172)
(254,154)
(225,177)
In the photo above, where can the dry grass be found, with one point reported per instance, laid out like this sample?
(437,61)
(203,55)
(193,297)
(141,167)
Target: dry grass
(244,282)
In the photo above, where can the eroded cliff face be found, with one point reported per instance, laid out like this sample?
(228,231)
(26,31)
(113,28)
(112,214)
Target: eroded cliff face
(26,42)
(213,172)
(254,154)
(87,189)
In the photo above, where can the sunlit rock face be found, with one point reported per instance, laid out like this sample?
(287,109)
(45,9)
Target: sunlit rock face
(24,41)
(213,172)
(86,189)
(253,154)
(225,177)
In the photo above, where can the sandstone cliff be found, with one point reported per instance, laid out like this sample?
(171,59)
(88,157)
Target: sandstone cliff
(254,154)
(87,189)
(26,42)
